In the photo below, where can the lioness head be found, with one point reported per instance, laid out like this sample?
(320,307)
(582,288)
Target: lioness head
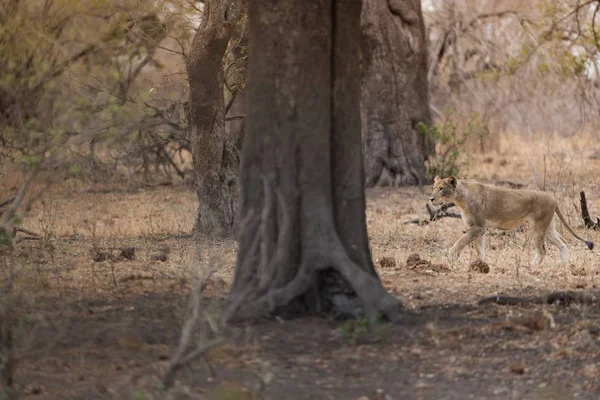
(444,190)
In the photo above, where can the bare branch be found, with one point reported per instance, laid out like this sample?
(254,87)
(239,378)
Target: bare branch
(18,199)
(24,238)
(6,202)
(181,356)
(596,39)
(234,94)
(27,232)
(569,14)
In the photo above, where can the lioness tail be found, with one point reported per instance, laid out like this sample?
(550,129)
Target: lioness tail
(588,243)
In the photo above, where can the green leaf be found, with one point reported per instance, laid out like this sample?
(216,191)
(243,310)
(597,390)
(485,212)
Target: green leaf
(5,238)
(31,160)
(74,170)
(16,219)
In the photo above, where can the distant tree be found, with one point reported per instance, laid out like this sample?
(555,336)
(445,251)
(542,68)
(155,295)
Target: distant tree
(519,66)
(395,94)
(304,247)
(74,84)
(215,156)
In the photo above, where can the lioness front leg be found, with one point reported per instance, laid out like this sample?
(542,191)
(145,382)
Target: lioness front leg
(474,232)
(480,247)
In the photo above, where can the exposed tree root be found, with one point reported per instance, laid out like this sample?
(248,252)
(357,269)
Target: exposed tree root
(262,294)
(368,288)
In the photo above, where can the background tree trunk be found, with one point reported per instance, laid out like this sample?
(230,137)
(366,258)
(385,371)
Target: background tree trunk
(216,159)
(235,118)
(304,247)
(394,92)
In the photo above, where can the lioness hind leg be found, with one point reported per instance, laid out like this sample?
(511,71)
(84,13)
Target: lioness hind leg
(540,248)
(554,238)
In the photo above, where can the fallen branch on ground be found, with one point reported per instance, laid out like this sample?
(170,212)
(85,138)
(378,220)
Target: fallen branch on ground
(24,238)
(417,221)
(436,213)
(564,298)
(585,214)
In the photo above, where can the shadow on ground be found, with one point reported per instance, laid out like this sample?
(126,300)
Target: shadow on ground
(118,349)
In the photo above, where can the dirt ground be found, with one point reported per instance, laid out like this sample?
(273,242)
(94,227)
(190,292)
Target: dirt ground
(94,324)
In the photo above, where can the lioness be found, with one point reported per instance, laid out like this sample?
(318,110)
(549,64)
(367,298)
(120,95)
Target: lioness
(486,206)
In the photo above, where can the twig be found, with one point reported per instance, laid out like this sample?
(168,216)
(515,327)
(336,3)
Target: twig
(18,199)
(234,94)
(182,355)
(23,238)
(27,232)
(417,221)
(6,202)
(596,39)
(170,159)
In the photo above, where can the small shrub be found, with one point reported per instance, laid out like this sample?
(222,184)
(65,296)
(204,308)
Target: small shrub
(359,330)
(356,328)
(451,140)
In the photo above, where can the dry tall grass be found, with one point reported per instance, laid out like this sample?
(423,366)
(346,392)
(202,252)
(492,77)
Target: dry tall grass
(82,217)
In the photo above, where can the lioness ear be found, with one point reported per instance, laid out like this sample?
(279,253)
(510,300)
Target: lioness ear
(437,178)
(452,180)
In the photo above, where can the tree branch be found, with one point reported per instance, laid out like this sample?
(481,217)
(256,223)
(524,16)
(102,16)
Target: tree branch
(182,355)
(596,39)
(6,202)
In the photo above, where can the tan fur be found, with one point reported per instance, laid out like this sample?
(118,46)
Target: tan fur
(486,206)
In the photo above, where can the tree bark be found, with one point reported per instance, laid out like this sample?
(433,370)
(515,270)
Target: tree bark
(394,92)
(303,246)
(235,117)
(6,353)
(216,160)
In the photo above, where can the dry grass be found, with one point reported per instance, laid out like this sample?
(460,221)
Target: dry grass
(570,164)
(84,217)
(80,219)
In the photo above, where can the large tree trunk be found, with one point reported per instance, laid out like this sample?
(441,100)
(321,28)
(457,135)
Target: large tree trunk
(394,92)
(304,247)
(6,352)
(216,160)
